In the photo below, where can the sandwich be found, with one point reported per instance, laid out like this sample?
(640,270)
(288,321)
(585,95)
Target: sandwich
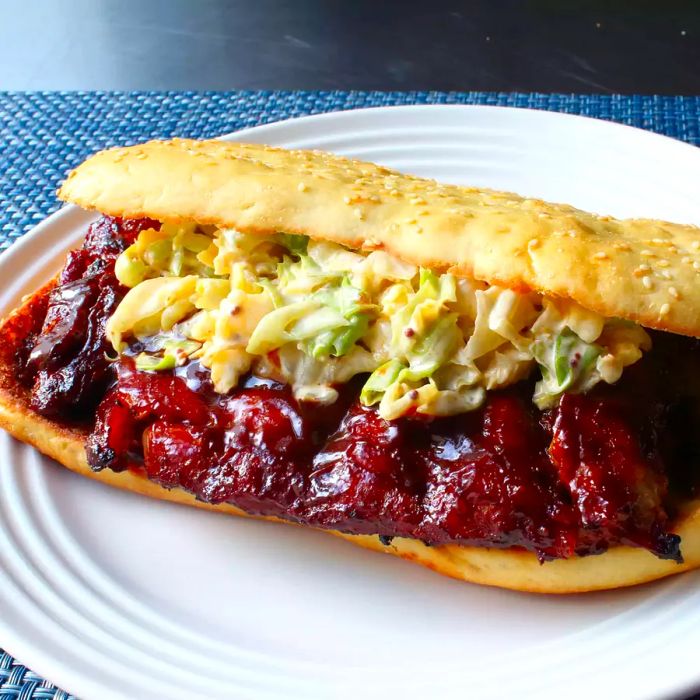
(504,390)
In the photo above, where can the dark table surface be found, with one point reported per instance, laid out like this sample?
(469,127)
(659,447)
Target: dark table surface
(628,46)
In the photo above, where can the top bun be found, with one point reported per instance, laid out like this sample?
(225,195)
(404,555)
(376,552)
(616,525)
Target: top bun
(642,270)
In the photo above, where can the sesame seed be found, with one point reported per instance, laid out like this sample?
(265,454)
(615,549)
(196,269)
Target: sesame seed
(302,187)
(664,310)
(663,263)
(647,253)
(347,199)
(141,156)
(664,274)
(696,265)
(659,241)
(695,244)
(358,213)
(674,292)
(533,243)
(646,281)
(686,260)
(601,256)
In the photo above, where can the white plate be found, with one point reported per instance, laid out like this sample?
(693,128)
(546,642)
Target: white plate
(112,595)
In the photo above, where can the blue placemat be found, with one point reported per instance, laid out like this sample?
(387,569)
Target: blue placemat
(44,134)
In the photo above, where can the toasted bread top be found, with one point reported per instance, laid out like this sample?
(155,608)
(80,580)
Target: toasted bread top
(642,270)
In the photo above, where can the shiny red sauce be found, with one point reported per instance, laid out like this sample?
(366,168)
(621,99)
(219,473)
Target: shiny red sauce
(600,469)
(67,363)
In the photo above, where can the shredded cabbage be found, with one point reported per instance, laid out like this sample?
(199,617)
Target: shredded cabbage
(565,360)
(174,353)
(314,314)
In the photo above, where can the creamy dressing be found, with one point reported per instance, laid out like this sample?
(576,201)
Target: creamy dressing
(314,314)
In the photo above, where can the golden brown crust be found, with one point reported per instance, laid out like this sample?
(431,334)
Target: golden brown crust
(641,270)
(517,570)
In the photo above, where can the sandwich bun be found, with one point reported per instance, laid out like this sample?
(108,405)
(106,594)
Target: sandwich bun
(496,237)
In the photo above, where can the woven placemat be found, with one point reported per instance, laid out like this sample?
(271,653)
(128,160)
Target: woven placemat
(44,134)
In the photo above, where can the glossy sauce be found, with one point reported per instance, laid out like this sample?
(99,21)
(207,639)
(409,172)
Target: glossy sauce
(573,481)
(67,366)
(598,470)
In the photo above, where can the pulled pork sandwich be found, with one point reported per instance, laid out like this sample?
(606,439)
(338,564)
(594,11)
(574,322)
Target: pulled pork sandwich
(504,390)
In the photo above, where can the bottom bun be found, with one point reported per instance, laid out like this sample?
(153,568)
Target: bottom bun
(505,568)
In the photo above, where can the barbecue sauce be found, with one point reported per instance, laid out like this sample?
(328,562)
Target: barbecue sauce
(598,470)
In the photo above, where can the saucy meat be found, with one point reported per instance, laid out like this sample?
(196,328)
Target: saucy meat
(495,477)
(67,362)
(599,469)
